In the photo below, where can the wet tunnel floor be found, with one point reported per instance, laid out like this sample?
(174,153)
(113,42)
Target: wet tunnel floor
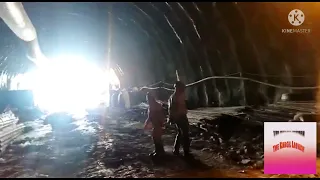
(120,149)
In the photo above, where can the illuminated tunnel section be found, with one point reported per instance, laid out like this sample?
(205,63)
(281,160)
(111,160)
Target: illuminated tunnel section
(151,40)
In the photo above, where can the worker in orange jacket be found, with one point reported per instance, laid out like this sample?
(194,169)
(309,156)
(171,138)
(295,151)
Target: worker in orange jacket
(155,121)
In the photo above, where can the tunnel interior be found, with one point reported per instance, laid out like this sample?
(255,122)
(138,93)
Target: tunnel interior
(149,41)
(227,54)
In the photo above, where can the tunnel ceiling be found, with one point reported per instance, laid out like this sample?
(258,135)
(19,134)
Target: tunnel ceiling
(150,41)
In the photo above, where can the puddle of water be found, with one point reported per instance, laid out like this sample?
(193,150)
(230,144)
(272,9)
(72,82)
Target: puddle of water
(135,125)
(38,131)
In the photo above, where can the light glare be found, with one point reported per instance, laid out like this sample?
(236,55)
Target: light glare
(71,84)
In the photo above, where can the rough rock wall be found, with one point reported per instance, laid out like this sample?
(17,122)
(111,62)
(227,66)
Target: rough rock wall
(150,40)
(218,39)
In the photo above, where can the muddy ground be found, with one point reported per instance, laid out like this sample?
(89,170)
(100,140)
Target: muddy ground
(117,146)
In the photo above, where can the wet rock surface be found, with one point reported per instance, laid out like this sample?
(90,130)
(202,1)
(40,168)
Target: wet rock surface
(117,146)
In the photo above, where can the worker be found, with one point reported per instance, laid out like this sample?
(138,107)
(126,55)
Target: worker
(155,121)
(178,116)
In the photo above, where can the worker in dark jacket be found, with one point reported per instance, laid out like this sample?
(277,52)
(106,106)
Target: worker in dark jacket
(178,116)
(155,121)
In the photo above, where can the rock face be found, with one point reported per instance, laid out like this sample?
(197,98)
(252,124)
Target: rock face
(244,38)
(226,38)
(150,41)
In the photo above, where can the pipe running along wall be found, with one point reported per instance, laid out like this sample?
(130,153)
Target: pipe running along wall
(15,16)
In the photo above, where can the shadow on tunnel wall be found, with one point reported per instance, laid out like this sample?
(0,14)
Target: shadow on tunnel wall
(218,39)
(151,40)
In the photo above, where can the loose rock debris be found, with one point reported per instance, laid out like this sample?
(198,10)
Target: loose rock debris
(117,146)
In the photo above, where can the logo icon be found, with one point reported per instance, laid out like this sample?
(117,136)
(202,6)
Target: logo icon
(296,17)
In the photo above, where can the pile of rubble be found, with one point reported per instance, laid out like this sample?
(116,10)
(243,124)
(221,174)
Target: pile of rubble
(14,123)
(9,129)
(237,138)
(232,137)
